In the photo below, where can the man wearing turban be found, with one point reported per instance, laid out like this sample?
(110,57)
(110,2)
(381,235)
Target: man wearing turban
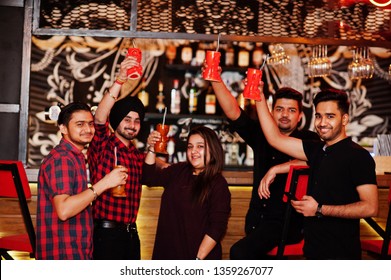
(115,230)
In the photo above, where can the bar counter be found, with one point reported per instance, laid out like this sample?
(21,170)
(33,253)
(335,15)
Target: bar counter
(240,187)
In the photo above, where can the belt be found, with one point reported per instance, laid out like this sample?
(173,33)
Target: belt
(131,227)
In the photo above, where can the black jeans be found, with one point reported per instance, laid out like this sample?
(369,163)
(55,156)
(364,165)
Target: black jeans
(118,243)
(261,240)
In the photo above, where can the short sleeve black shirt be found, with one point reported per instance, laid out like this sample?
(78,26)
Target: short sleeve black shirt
(336,172)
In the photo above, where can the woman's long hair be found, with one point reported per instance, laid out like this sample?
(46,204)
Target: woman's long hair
(215,165)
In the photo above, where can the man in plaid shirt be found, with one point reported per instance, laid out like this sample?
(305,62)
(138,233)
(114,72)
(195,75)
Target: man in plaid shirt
(64,220)
(115,231)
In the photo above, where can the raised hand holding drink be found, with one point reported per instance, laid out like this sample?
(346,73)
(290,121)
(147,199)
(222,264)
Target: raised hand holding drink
(161,146)
(136,71)
(254,77)
(163,129)
(251,90)
(212,64)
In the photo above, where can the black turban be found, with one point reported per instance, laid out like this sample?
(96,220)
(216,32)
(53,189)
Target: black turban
(122,108)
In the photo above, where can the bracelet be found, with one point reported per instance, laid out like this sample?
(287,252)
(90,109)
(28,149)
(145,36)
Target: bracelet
(150,151)
(95,193)
(111,95)
(119,81)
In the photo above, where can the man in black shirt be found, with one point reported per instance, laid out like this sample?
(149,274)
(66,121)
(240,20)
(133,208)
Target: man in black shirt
(342,183)
(264,219)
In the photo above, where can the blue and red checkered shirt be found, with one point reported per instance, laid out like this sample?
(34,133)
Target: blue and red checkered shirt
(63,171)
(101,162)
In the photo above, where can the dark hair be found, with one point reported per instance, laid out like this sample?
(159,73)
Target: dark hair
(66,112)
(288,93)
(340,96)
(213,168)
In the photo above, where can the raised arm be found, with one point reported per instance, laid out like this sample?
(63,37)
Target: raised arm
(108,100)
(151,158)
(288,145)
(226,100)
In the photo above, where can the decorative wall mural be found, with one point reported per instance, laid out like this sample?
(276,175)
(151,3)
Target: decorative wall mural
(66,69)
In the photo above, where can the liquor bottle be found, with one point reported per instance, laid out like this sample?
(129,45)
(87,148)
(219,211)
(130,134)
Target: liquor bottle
(210,102)
(193,99)
(199,56)
(233,153)
(171,150)
(143,95)
(175,106)
(257,57)
(160,96)
(249,156)
(187,54)
(243,58)
(230,56)
(171,53)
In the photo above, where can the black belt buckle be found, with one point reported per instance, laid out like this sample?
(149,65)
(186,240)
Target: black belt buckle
(113,224)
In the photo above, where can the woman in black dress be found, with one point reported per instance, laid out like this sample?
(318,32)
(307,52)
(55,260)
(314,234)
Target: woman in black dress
(195,204)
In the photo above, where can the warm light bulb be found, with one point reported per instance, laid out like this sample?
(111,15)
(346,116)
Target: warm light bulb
(380,4)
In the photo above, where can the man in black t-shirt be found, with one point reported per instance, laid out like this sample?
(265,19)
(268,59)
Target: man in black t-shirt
(342,183)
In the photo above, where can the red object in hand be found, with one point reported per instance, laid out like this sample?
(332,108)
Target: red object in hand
(212,63)
(251,90)
(136,71)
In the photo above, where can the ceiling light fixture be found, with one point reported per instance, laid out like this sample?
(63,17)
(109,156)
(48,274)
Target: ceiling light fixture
(380,4)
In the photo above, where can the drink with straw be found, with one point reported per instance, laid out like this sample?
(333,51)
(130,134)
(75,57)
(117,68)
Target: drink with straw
(163,129)
(254,76)
(212,63)
(118,191)
(136,71)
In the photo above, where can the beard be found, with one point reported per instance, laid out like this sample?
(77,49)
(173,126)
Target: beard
(331,133)
(128,134)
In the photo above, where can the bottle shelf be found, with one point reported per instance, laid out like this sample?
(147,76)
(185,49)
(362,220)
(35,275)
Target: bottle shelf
(192,68)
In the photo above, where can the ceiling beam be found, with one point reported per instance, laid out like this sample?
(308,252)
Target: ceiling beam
(211,37)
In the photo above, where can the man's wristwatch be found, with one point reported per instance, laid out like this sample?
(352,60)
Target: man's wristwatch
(318,212)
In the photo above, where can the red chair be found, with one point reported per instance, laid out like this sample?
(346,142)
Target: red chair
(296,185)
(14,184)
(378,246)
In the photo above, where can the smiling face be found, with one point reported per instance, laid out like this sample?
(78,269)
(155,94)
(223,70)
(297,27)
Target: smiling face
(80,129)
(330,122)
(197,153)
(129,127)
(286,114)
